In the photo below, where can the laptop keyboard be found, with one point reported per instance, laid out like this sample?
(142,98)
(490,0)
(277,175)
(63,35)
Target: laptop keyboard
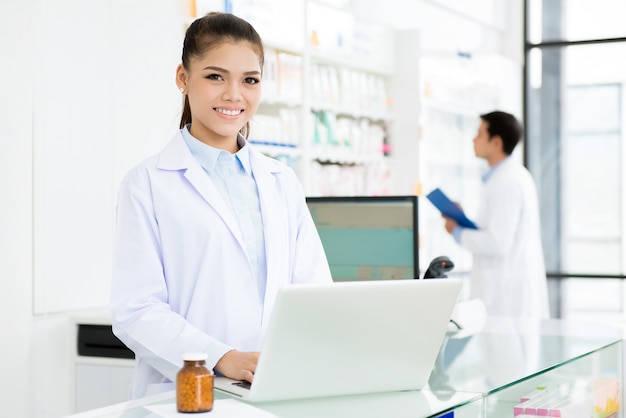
(243,384)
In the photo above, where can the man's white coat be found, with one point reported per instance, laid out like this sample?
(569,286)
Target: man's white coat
(508,270)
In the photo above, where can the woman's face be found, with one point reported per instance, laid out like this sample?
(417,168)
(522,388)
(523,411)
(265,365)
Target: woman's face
(224,90)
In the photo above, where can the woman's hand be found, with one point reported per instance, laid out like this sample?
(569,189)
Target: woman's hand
(239,365)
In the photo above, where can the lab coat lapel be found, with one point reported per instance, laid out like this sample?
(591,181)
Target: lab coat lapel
(176,156)
(274,213)
(275,222)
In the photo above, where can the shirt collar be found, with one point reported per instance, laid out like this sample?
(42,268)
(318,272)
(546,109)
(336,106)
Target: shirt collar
(207,155)
(243,155)
(489,172)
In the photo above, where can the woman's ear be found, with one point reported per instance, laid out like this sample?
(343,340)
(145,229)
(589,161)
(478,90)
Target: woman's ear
(181,78)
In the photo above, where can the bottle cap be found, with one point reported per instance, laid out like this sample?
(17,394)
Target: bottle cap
(195,356)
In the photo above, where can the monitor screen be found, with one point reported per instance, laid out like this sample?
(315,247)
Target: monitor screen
(368,237)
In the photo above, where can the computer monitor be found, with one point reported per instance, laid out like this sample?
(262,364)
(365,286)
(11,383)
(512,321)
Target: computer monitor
(368,237)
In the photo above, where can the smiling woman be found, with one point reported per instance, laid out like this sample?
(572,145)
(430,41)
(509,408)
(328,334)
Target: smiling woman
(222,91)
(220,80)
(208,230)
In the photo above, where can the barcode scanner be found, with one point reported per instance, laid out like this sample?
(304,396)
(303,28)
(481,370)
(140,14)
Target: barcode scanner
(437,270)
(439,267)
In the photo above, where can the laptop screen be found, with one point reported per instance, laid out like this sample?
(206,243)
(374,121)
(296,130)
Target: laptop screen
(368,237)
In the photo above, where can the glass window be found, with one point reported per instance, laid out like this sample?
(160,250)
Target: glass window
(575,20)
(575,122)
(591,182)
(575,135)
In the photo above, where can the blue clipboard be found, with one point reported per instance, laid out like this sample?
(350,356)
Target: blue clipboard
(449,209)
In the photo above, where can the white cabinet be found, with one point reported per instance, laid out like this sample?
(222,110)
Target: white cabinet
(103,365)
(102,382)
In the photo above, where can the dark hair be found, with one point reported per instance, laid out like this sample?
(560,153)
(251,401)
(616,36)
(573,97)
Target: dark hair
(210,31)
(506,126)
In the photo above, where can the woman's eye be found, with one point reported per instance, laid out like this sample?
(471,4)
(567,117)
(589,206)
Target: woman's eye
(252,80)
(214,77)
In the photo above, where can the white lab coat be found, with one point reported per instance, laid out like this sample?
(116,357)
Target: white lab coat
(508,269)
(181,277)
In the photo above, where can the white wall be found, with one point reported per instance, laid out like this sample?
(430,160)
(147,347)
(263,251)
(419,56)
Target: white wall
(98,75)
(16,72)
(80,80)
(104,99)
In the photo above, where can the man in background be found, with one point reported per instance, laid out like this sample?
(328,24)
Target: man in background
(508,272)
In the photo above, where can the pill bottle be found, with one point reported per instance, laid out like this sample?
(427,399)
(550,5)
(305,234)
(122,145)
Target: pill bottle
(194,384)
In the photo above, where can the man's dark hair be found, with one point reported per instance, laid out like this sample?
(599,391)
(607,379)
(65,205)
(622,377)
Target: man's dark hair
(506,126)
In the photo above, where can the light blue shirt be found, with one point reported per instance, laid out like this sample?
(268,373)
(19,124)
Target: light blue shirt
(233,177)
(458,230)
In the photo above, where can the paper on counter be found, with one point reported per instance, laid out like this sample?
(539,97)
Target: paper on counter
(222,408)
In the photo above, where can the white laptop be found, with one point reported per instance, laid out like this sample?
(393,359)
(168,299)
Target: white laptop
(347,338)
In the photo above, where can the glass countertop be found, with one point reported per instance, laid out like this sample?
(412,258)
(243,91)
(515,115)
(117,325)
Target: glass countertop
(506,351)
(474,362)
(408,404)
